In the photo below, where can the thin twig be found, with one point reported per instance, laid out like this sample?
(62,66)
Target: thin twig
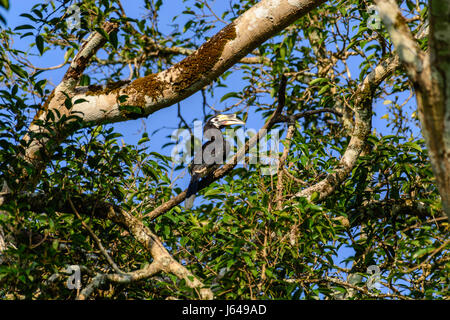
(289,135)
(429,257)
(96,239)
(222,171)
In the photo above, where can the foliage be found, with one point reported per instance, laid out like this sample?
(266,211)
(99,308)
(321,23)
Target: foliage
(387,213)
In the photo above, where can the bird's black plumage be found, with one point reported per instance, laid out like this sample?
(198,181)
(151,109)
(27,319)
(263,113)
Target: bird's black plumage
(212,155)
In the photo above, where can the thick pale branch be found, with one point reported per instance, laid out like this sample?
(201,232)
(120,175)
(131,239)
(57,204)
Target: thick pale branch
(277,117)
(361,130)
(405,44)
(56,100)
(156,91)
(225,169)
(430,74)
(145,273)
(215,56)
(281,162)
(162,260)
(157,49)
(81,61)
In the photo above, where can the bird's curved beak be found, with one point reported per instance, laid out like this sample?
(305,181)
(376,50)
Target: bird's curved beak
(230,119)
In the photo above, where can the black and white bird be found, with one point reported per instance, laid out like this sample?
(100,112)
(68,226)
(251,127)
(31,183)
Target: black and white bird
(213,153)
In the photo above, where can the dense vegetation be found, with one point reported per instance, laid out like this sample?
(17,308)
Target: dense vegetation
(379,233)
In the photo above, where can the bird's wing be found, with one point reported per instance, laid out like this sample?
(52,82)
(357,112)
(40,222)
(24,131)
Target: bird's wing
(191,192)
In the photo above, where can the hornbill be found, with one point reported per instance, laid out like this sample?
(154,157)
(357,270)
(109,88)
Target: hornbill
(213,153)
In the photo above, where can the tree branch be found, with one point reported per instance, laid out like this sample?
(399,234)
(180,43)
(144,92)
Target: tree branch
(56,100)
(96,239)
(145,273)
(162,260)
(342,283)
(163,89)
(361,130)
(430,75)
(89,205)
(406,45)
(225,169)
(289,135)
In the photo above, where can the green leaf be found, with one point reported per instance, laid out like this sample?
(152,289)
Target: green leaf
(85,80)
(19,71)
(24,26)
(79,101)
(317,80)
(29,16)
(68,54)
(4,4)
(68,103)
(144,139)
(421,252)
(248,261)
(113,39)
(413,146)
(212,191)
(340,289)
(315,196)
(269,273)
(102,32)
(229,95)
(130,109)
(38,13)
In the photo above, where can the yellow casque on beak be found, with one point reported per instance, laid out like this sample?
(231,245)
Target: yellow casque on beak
(229,119)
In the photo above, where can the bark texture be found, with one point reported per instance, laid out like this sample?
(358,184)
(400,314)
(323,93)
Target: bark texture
(430,74)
